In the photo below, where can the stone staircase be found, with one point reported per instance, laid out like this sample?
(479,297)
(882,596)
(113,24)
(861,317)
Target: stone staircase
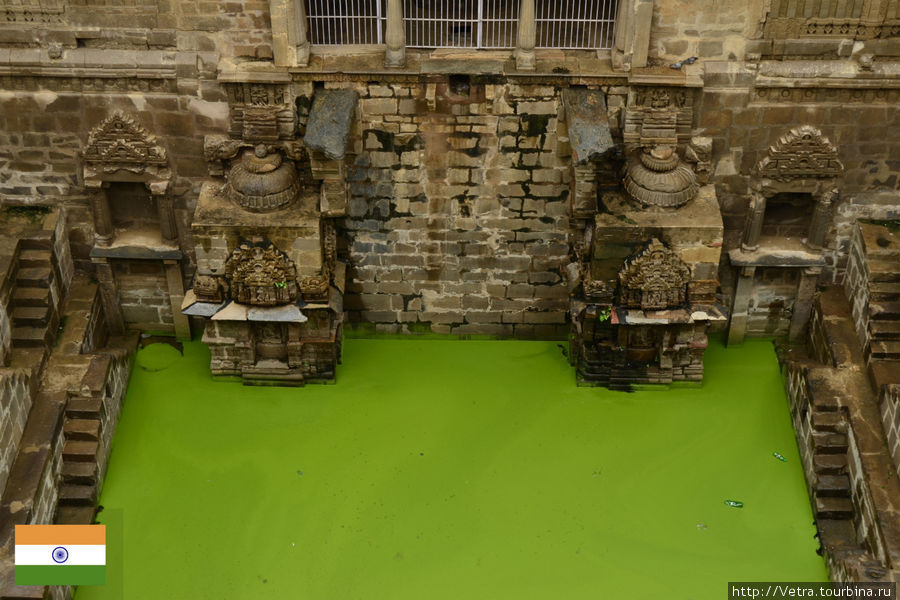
(884,310)
(33,314)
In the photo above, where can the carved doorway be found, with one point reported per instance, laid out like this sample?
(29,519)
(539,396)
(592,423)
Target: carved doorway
(271,341)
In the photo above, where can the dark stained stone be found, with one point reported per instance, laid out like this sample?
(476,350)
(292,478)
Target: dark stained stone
(328,128)
(588,124)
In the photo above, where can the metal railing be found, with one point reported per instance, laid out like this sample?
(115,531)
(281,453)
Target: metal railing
(575,25)
(478,24)
(461,23)
(345,22)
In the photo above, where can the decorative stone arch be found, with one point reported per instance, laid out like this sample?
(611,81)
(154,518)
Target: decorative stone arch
(655,279)
(805,161)
(120,150)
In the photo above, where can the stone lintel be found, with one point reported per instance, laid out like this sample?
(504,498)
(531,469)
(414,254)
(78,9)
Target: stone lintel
(768,256)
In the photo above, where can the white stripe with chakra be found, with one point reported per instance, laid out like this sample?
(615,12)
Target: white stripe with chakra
(74,555)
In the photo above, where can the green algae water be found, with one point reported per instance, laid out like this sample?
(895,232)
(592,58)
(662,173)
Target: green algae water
(449,469)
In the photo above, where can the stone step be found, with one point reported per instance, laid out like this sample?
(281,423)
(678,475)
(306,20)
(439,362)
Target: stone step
(75,515)
(34,276)
(82,429)
(34,258)
(84,408)
(39,240)
(827,421)
(831,507)
(31,296)
(884,330)
(77,494)
(825,402)
(884,290)
(833,485)
(830,443)
(884,271)
(29,337)
(830,464)
(885,349)
(884,311)
(84,473)
(80,451)
(30,316)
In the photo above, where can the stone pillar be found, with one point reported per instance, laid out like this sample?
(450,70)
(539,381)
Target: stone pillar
(290,43)
(176,297)
(109,294)
(806,289)
(525,59)
(821,219)
(737,327)
(167,227)
(632,42)
(103,225)
(394,36)
(754,222)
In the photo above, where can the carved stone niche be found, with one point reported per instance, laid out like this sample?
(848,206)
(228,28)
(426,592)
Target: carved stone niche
(119,150)
(801,162)
(261,275)
(656,279)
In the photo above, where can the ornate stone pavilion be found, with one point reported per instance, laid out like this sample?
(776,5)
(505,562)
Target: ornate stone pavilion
(268,281)
(644,285)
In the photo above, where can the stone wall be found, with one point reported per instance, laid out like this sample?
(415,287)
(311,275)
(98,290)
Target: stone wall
(143,292)
(890,418)
(772,301)
(459,211)
(15,403)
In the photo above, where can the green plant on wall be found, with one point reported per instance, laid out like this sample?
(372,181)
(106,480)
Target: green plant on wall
(281,284)
(604,314)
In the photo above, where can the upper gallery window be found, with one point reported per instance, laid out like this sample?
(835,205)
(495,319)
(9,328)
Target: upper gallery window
(477,24)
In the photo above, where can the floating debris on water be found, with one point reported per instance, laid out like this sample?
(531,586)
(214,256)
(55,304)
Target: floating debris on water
(701,526)
(779,457)
(734,503)
(300,473)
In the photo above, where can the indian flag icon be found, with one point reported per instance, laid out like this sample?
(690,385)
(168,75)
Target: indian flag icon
(60,554)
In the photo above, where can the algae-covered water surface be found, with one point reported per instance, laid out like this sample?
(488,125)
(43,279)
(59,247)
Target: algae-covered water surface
(452,469)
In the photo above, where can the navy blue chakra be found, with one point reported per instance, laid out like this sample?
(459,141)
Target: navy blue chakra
(60,554)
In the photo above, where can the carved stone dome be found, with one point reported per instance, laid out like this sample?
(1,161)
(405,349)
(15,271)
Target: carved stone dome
(659,178)
(262,182)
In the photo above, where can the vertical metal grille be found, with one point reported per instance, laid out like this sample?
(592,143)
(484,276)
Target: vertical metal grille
(345,22)
(461,23)
(575,25)
(464,23)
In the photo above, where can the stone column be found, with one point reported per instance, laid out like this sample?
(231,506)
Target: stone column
(806,289)
(109,294)
(525,59)
(395,36)
(176,297)
(737,327)
(290,43)
(821,219)
(754,222)
(103,225)
(632,41)
(167,227)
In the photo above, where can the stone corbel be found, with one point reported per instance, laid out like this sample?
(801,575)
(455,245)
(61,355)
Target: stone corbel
(632,42)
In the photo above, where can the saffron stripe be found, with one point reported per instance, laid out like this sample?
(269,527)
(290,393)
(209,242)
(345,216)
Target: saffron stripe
(60,574)
(61,535)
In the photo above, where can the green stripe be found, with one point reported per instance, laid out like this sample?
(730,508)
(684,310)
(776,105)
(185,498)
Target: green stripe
(60,574)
